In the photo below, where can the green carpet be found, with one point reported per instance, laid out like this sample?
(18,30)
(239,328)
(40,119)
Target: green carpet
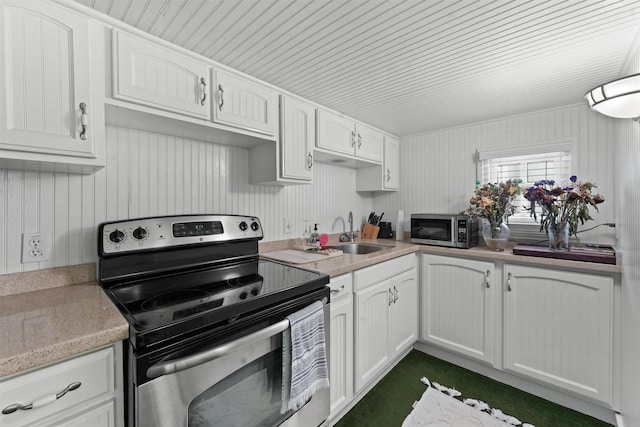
(389,402)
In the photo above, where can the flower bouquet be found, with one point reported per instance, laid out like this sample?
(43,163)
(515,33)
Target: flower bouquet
(492,202)
(562,208)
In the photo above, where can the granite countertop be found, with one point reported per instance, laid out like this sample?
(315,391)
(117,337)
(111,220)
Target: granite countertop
(48,324)
(49,315)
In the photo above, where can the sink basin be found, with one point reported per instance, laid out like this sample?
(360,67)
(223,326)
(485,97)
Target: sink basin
(359,248)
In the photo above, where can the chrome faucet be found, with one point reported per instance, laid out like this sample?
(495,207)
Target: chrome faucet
(349,237)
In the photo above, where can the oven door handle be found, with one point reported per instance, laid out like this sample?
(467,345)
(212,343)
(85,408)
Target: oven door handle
(182,363)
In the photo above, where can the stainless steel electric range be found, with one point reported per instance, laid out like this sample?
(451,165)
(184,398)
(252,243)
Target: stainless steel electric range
(206,316)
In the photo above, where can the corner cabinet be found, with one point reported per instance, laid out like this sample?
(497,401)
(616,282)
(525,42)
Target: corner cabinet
(150,74)
(289,160)
(386,309)
(458,305)
(385,177)
(341,344)
(559,329)
(50,117)
(347,139)
(245,104)
(83,391)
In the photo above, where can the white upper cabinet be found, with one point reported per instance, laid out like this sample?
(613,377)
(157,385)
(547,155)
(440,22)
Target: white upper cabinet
(150,74)
(245,104)
(369,143)
(297,136)
(50,119)
(344,136)
(383,177)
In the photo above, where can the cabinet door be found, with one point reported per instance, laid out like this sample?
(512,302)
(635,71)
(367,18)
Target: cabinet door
(341,354)
(44,78)
(403,314)
(297,136)
(369,143)
(150,74)
(372,332)
(391,166)
(244,104)
(336,133)
(458,305)
(102,416)
(559,328)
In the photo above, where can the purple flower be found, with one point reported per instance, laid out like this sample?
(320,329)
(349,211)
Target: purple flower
(573,178)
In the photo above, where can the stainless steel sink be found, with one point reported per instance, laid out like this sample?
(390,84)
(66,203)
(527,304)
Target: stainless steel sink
(359,248)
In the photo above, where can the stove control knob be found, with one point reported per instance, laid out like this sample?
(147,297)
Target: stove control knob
(244,295)
(116,236)
(255,291)
(243,226)
(254,226)
(140,233)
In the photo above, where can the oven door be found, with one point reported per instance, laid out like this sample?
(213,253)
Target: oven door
(241,386)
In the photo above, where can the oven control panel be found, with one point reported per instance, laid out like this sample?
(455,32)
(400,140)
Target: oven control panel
(167,231)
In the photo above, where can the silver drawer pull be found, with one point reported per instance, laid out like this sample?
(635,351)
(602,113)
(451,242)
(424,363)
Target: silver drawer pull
(84,120)
(45,400)
(337,291)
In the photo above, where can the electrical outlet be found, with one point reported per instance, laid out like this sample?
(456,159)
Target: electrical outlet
(35,247)
(288,227)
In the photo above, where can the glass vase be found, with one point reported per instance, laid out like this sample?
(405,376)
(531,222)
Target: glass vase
(558,236)
(495,235)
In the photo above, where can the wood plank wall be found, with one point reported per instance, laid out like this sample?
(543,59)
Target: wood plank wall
(438,169)
(149,174)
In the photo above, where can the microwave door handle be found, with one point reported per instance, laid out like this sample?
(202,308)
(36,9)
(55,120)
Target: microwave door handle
(454,234)
(183,363)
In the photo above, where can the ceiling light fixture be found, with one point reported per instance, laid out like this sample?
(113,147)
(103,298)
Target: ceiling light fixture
(619,98)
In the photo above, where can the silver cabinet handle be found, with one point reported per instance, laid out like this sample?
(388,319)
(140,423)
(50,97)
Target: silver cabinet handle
(487,279)
(309,161)
(84,120)
(353,139)
(509,282)
(203,85)
(359,140)
(388,175)
(221,97)
(390,296)
(395,297)
(45,400)
(336,291)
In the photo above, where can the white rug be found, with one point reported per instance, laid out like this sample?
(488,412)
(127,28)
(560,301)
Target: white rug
(436,409)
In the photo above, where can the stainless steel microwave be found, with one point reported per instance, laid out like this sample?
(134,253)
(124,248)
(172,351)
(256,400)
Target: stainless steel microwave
(453,230)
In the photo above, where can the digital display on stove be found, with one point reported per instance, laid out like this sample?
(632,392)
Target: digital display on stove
(186,229)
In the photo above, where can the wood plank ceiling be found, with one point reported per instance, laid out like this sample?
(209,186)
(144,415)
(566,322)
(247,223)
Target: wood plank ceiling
(405,66)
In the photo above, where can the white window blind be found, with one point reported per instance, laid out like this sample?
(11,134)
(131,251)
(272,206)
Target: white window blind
(550,161)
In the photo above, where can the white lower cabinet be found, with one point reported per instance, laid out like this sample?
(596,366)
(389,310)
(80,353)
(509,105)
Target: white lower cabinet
(386,323)
(458,305)
(83,391)
(341,344)
(558,329)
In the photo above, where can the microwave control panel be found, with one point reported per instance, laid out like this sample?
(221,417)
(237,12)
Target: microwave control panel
(462,231)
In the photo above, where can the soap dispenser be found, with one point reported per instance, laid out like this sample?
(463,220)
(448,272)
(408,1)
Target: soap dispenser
(315,237)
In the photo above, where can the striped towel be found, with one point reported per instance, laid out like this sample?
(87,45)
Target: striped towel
(304,357)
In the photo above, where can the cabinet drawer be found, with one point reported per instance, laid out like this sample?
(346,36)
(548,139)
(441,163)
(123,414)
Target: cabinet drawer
(95,372)
(341,286)
(375,274)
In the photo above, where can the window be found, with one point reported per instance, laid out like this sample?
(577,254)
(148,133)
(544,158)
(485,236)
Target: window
(530,164)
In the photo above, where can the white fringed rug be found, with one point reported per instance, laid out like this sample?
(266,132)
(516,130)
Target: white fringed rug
(436,409)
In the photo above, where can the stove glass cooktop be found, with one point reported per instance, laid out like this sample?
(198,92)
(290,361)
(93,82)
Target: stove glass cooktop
(200,297)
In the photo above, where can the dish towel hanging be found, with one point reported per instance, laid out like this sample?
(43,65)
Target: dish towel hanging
(304,358)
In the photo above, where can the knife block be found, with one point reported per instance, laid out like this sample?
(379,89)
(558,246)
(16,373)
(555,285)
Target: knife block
(370,231)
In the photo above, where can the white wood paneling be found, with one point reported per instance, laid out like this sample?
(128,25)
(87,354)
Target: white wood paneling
(150,174)
(627,177)
(438,168)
